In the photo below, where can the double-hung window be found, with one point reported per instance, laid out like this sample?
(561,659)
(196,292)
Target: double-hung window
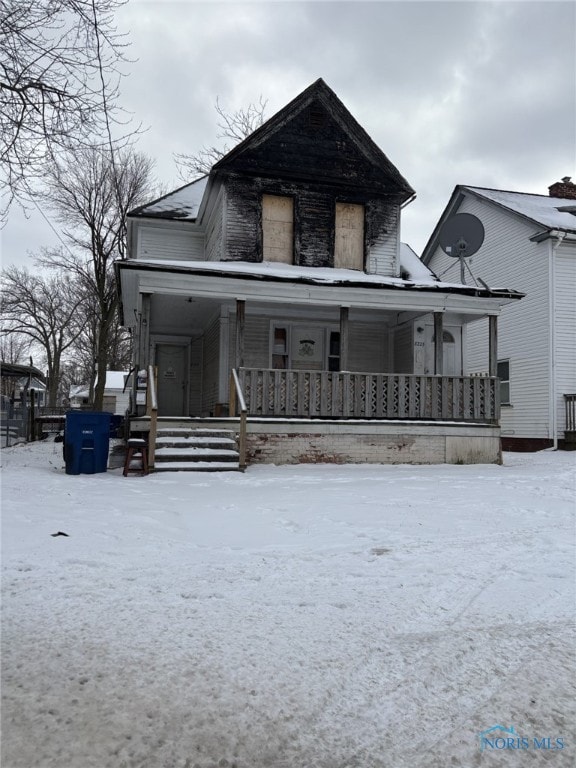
(503,371)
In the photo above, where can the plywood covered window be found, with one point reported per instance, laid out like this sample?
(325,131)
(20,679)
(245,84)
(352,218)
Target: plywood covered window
(349,236)
(278,229)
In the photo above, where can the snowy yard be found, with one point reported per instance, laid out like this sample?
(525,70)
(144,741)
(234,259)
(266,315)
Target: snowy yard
(290,617)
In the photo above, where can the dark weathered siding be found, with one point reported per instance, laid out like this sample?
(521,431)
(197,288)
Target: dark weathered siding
(318,163)
(314,218)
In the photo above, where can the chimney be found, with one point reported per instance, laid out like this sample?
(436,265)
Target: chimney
(565,189)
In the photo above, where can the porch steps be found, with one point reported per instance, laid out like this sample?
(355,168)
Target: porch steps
(195,450)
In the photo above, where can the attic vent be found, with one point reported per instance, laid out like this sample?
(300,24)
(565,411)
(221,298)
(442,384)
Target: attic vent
(317,117)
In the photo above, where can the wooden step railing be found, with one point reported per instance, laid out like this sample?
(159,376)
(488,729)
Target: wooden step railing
(237,401)
(152,413)
(344,395)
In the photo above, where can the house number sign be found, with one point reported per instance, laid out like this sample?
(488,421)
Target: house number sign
(170,373)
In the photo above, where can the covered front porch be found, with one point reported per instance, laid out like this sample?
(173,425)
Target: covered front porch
(340,363)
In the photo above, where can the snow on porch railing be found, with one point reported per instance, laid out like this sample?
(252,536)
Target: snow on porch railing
(326,394)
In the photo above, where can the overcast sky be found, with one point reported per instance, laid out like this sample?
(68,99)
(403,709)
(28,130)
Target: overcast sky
(453,92)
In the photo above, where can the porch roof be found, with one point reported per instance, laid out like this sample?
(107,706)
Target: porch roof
(287,273)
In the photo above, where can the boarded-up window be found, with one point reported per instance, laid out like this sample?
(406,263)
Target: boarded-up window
(349,236)
(278,229)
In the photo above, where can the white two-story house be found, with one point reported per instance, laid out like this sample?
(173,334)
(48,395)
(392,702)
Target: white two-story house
(283,272)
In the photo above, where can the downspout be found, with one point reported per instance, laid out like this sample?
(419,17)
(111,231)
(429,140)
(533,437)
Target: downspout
(553,411)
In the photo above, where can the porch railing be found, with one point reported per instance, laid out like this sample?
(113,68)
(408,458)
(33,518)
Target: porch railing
(343,395)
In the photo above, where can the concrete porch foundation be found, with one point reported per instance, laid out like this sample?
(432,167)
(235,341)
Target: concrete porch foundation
(306,441)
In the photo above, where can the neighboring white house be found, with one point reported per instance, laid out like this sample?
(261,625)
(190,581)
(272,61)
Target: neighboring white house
(116,393)
(285,266)
(530,243)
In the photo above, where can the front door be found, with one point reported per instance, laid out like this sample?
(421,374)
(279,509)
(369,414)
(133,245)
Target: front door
(171,361)
(451,350)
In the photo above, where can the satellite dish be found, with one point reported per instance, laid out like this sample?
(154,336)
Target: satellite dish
(461,236)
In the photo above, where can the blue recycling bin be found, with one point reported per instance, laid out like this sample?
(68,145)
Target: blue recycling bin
(86,442)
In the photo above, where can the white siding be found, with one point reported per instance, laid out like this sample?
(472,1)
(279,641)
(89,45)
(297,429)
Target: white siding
(403,350)
(383,254)
(508,259)
(195,378)
(565,328)
(210,356)
(368,343)
(169,243)
(368,347)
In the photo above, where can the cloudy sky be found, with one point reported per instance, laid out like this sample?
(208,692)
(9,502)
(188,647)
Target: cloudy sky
(452,92)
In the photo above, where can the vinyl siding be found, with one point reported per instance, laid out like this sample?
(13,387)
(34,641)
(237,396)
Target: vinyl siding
(368,347)
(195,378)
(383,251)
(508,259)
(565,328)
(368,343)
(169,243)
(403,350)
(210,354)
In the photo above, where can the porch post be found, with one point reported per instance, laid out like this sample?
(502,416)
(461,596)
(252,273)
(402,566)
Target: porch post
(493,345)
(438,343)
(344,315)
(240,316)
(144,332)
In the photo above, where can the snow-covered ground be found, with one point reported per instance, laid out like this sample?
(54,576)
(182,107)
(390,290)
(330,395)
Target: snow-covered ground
(291,617)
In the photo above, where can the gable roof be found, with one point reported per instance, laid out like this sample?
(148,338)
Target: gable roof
(320,94)
(549,214)
(543,210)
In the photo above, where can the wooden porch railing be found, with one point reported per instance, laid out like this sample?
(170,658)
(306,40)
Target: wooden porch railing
(342,395)
(152,412)
(237,401)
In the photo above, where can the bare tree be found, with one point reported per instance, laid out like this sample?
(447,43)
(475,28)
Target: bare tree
(59,83)
(91,192)
(232,127)
(14,347)
(43,309)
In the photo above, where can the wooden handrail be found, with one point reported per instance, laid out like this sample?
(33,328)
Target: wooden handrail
(152,412)
(237,398)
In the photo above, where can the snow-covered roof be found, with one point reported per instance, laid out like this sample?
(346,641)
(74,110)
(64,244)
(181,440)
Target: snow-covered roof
(115,379)
(411,264)
(274,271)
(183,203)
(542,209)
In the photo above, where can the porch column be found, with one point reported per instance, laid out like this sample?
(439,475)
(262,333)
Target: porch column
(493,345)
(438,343)
(144,332)
(344,315)
(240,317)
